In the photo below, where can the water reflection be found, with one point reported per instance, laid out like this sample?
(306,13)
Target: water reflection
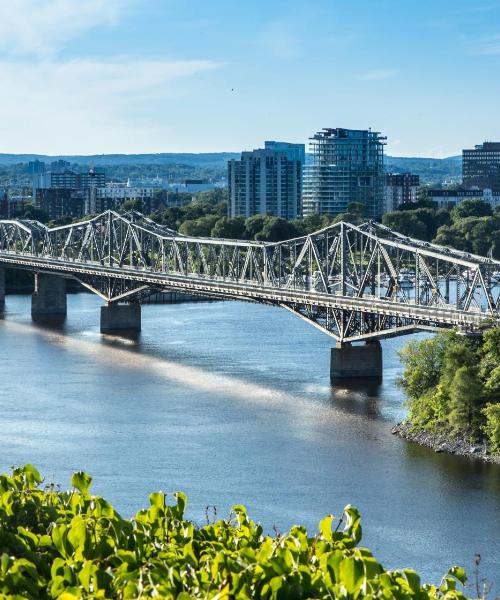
(358,397)
(54,322)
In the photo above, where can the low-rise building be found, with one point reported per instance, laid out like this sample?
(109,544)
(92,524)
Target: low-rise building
(450,198)
(113,195)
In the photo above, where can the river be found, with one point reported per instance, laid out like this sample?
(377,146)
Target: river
(231,402)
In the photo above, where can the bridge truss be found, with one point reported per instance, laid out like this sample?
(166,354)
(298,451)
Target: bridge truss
(353,282)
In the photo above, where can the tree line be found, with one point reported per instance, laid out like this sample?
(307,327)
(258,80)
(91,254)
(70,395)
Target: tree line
(207,216)
(471,226)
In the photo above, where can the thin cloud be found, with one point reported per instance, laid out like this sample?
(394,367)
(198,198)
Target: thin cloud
(280,40)
(490,46)
(379,75)
(86,104)
(43,27)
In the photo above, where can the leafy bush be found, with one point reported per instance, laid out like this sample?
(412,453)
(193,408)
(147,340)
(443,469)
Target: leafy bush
(71,545)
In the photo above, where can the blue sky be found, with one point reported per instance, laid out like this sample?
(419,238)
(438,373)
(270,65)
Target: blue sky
(101,76)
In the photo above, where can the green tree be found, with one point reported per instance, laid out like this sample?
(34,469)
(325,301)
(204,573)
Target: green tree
(135,204)
(471,208)
(465,399)
(253,225)
(276,229)
(491,428)
(406,223)
(201,227)
(423,363)
(229,228)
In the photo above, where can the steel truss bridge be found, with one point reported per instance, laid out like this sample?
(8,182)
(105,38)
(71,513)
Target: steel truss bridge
(352,282)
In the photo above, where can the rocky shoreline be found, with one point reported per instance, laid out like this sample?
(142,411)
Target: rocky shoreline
(442,443)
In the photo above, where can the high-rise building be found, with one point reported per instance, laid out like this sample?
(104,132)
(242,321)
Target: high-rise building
(64,179)
(94,177)
(292,151)
(347,166)
(59,166)
(37,170)
(399,188)
(265,181)
(61,202)
(72,180)
(481,166)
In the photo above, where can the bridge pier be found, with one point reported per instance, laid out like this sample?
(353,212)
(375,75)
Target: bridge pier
(2,289)
(116,318)
(353,362)
(49,297)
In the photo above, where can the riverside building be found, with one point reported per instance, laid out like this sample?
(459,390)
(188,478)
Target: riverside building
(266,181)
(347,166)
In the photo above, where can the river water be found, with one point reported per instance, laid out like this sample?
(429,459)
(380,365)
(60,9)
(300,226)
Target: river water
(231,402)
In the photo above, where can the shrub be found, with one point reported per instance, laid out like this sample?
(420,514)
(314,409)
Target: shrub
(70,545)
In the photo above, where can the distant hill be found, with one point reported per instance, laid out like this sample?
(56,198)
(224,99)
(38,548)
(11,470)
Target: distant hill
(164,158)
(430,170)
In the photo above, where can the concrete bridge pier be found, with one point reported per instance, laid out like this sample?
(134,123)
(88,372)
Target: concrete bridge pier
(49,297)
(2,289)
(355,362)
(121,318)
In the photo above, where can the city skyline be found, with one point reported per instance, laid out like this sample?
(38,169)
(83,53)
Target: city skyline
(124,76)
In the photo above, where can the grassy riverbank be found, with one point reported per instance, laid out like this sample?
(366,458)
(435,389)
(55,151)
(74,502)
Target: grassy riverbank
(452,384)
(71,545)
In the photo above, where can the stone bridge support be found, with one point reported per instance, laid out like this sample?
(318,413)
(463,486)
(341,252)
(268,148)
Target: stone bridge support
(121,318)
(2,289)
(49,297)
(353,362)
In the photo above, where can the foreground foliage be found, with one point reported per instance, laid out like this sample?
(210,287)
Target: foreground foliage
(73,545)
(453,385)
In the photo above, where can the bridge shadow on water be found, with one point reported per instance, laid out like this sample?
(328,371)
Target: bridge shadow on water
(357,396)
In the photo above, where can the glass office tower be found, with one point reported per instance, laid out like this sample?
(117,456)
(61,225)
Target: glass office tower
(347,166)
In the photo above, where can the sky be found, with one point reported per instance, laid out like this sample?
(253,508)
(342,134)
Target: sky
(140,76)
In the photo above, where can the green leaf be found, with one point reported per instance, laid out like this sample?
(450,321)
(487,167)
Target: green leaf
(77,535)
(351,574)
(325,526)
(81,481)
(181,504)
(458,573)
(32,475)
(353,523)
(157,499)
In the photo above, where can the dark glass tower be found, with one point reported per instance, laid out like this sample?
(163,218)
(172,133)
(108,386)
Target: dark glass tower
(481,166)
